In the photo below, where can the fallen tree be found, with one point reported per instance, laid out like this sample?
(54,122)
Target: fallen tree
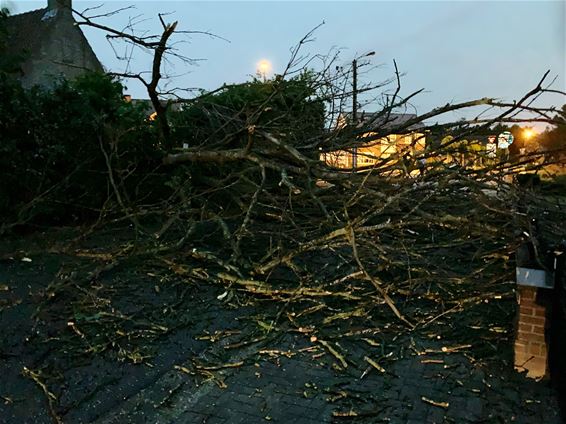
(250,206)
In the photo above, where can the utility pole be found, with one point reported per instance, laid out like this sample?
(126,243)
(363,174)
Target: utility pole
(355,105)
(355,109)
(355,90)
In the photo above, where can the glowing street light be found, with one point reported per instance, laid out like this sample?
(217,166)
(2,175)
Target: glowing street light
(263,68)
(528,133)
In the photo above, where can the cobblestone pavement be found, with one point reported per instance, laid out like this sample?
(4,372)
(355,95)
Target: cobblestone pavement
(243,376)
(433,387)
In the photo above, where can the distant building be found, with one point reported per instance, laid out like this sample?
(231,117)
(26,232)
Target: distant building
(53,45)
(408,138)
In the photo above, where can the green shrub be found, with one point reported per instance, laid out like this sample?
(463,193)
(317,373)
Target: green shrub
(51,163)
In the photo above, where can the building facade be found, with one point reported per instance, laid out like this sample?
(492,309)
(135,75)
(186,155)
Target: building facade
(411,140)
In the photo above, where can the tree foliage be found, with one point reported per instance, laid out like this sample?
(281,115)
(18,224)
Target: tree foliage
(9,62)
(554,140)
(288,108)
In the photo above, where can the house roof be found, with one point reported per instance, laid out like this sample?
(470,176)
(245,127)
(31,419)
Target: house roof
(29,32)
(385,121)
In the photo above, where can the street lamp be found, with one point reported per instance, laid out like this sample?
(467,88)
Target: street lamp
(263,68)
(528,133)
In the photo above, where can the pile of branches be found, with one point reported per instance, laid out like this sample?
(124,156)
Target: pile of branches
(270,222)
(253,208)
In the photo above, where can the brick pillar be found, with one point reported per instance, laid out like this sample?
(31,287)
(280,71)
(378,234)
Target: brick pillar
(531,352)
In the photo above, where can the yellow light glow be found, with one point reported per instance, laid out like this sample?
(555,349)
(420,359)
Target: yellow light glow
(528,133)
(264,67)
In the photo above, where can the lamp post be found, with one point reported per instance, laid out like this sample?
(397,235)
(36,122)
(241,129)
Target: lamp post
(355,103)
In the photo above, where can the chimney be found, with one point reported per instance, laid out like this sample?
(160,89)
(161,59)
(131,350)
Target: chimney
(59,4)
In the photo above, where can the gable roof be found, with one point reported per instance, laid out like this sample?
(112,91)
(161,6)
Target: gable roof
(31,33)
(385,121)
(27,31)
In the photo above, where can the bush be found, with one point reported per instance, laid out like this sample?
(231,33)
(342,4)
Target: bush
(286,108)
(51,161)
(57,145)
(555,186)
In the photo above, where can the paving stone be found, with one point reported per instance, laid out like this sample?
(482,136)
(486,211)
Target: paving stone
(435,416)
(474,407)
(192,417)
(239,418)
(306,420)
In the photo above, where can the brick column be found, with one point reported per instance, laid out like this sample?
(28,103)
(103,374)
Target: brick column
(531,352)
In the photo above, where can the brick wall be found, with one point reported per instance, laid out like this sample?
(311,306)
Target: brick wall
(557,344)
(531,351)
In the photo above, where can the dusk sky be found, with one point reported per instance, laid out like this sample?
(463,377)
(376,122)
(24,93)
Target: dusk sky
(454,50)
